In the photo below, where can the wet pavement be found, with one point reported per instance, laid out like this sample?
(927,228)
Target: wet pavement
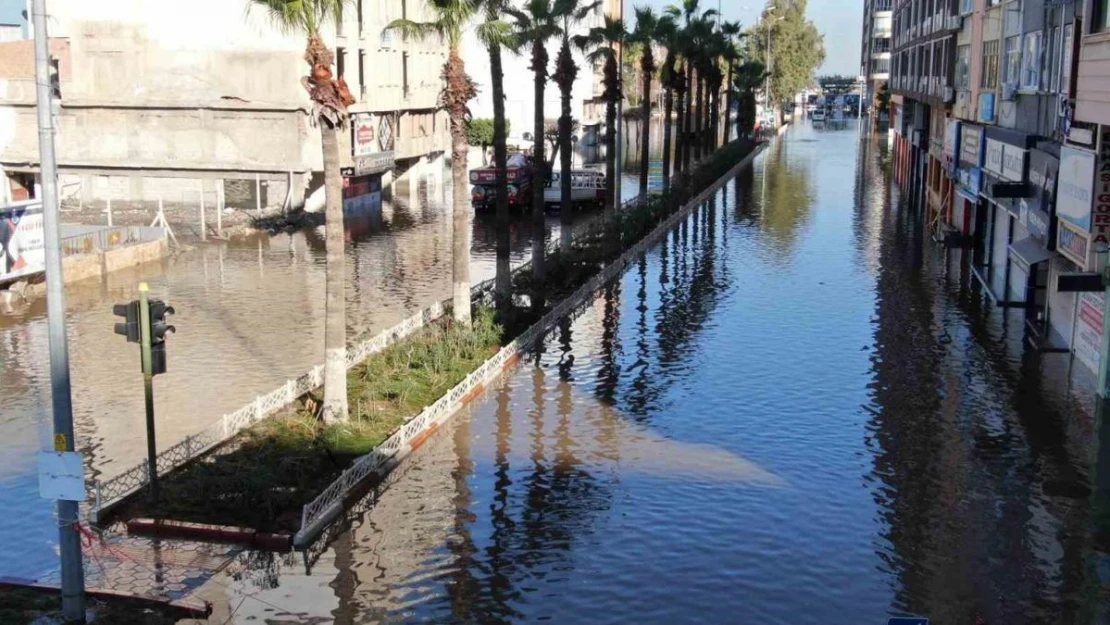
(793,410)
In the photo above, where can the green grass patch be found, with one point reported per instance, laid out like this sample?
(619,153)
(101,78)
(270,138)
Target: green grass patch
(265,474)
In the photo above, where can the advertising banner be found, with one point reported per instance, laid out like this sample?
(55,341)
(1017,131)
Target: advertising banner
(22,250)
(1073,192)
(1100,218)
(1088,330)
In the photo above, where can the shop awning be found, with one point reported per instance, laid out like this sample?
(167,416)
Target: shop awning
(1030,251)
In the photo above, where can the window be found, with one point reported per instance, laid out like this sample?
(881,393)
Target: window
(963,56)
(1065,74)
(1101,19)
(1051,73)
(340,58)
(362,71)
(1031,62)
(967,6)
(1011,71)
(990,64)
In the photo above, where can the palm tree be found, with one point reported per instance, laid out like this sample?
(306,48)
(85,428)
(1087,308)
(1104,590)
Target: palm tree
(666,34)
(330,99)
(688,11)
(536,23)
(749,76)
(605,41)
(566,71)
(732,31)
(495,33)
(647,26)
(452,17)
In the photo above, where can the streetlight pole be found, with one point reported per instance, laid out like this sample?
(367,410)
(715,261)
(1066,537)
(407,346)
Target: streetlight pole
(69,541)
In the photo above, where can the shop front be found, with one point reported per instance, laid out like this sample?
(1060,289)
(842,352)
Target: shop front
(964,215)
(1032,255)
(1073,315)
(1005,184)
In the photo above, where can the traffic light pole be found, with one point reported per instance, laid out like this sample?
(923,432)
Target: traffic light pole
(148,387)
(69,541)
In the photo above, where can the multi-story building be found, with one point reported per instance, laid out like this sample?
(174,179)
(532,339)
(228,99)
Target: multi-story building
(176,101)
(875,48)
(922,85)
(999,120)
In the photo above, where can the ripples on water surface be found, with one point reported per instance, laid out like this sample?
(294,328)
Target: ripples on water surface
(788,412)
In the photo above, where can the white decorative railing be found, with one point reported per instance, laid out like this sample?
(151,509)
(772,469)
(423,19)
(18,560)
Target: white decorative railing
(109,492)
(321,511)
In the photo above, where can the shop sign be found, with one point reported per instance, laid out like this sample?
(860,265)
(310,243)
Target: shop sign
(373,164)
(1073,189)
(1073,244)
(970,178)
(22,250)
(1035,221)
(993,161)
(986,106)
(1100,228)
(364,135)
(951,138)
(971,145)
(1088,331)
(1013,163)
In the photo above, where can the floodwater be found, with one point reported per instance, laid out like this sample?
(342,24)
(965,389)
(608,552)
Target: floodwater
(250,315)
(791,410)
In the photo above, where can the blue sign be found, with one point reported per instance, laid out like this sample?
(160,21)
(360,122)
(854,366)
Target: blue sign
(907,620)
(986,106)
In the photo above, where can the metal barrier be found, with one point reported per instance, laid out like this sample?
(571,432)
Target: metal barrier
(89,239)
(329,504)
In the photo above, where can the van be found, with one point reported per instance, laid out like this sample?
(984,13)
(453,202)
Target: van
(818,115)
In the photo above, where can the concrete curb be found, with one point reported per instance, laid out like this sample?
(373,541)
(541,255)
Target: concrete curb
(188,608)
(182,530)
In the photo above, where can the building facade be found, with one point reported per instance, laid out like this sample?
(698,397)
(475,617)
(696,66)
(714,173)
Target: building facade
(998,136)
(876,45)
(168,101)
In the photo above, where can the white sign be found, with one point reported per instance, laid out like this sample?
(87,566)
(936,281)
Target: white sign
(61,475)
(364,134)
(22,250)
(951,137)
(993,161)
(1073,186)
(1088,332)
(1013,163)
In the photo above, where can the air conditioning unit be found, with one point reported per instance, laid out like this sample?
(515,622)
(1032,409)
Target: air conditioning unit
(949,95)
(955,22)
(1009,92)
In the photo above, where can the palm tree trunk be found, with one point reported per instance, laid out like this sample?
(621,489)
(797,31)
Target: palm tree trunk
(566,163)
(645,115)
(539,70)
(500,157)
(460,199)
(611,136)
(687,142)
(730,100)
(335,302)
(699,139)
(680,134)
(668,105)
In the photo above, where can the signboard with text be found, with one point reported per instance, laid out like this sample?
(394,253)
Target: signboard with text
(1100,216)
(22,250)
(1073,189)
(971,145)
(1088,331)
(1073,244)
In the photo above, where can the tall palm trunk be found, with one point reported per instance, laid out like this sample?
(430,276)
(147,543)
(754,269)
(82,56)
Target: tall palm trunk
(458,82)
(730,101)
(335,302)
(680,115)
(539,72)
(668,105)
(687,147)
(612,89)
(647,66)
(565,73)
(500,158)
(699,118)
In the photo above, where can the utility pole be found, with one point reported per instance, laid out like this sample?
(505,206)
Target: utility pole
(69,541)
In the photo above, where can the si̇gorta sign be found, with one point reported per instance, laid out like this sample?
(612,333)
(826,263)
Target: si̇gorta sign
(1100,216)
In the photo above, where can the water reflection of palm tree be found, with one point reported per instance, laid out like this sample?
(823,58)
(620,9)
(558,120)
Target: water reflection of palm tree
(608,374)
(789,201)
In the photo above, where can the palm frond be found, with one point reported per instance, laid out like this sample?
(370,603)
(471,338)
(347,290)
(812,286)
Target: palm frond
(410,30)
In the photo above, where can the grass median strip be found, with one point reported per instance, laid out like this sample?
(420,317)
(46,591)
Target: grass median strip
(266,473)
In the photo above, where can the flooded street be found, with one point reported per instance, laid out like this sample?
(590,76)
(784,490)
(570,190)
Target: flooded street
(790,411)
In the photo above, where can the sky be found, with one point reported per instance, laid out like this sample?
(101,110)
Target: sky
(841,21)
(11,11)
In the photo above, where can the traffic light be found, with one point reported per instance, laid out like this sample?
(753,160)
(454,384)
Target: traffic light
(129,328)
(158,329)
